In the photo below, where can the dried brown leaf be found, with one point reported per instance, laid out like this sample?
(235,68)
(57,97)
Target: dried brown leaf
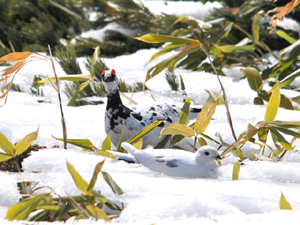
(16,56)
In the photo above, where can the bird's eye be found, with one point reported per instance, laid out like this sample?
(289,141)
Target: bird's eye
(206,153)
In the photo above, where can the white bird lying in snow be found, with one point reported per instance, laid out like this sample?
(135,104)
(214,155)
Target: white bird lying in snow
(179,163)
(135,120)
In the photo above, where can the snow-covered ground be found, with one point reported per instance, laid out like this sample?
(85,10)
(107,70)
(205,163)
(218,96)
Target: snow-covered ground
(152,197)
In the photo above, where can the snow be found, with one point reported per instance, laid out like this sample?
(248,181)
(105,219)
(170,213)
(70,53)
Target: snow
(151,197)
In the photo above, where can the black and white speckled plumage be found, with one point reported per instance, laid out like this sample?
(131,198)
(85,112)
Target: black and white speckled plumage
(134,120)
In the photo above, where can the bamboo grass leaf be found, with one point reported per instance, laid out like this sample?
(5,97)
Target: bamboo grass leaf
(97,170)
(273,105)
(79,181)
(284,204)
(177,129)
(83,143)
(156,38)
(236,171)
(254,78)
(204,117)
(16,56)
(24,144)
(6,145)
(113,185)
(106,144)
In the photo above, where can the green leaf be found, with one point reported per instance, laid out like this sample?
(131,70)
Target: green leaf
(83,143)
(79,181)
(177,129)
(166,49)
(95,58)
(145,131)
(233,49)
(296,99)
(97,170)
(288,79)
(258,101)
(24,144)
(156,38)
(255,28)
(284,204)
(273,105)
(204,117)
(202,141)
(4,157)
(254,78)
(192,47)
(6,145)
(184,114)
(278,137)
(115,188)
(22,210)
(286,102)
(80,88)
(285,36)
(106,144)
(153,71)
(182,86)
(291,52)
(236,171)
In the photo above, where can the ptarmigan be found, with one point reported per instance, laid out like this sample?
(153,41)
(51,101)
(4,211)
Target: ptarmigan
(179,163)
(135,120)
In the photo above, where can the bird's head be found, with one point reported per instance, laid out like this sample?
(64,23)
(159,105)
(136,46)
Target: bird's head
(110,81)
(207,155)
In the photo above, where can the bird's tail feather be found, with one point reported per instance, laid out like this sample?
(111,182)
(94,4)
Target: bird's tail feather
(130,148)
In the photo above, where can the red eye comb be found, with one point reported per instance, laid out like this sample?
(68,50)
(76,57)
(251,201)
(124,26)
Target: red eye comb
(113,72)
(103,72)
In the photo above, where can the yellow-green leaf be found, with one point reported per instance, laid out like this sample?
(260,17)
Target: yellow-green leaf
(6,145)
(138,144)
(166,49)
(284,204)
(24,144)
(145,131)
(261,157)
(254,78)
(236,171)
(79,181)
(235,49)
(105,154)
(76,78)
(83,143)
(4,157)
(97,170)
(113,185)
(156,38)
(204,117)
(184,114)
(96,212)
(285,36)
(177,129)
(22,210)
(106,144)
(273,105)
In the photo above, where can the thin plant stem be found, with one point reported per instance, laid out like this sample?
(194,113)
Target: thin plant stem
(64,128)
(224,95)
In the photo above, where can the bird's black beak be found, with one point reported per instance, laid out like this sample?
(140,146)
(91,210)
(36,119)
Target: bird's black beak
(218,157)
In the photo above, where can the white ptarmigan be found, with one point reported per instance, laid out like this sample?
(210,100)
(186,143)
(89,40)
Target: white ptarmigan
(178,163)
(135,120)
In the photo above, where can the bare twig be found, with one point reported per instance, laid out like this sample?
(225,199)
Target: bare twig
(64,128)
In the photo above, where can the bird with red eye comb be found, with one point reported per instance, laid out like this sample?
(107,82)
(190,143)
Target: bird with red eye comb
(135,120)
